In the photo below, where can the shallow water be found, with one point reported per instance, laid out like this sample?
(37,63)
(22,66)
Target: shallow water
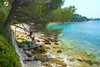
(85,35)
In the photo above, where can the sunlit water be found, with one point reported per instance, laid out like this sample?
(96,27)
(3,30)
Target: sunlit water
(85,35)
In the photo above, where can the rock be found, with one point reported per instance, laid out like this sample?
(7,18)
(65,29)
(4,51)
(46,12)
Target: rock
(50,56)
(59,66)
(29,59)
(38,40)
(33,56)
(52,65)
(28,53)
(46,64)
(25,47)
(59,51)
(56,43)
(47,42)
(25,62)
(52,40)
(39,57)
(47,47)
(55,40)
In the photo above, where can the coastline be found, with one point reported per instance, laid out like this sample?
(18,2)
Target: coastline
(56,52)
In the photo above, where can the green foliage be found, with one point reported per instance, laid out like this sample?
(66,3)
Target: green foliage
(54,4)
(55,31)
(8,56)
(63,14)
(40,14)
(26,42)
(78,18)
(58,30)
(3,14)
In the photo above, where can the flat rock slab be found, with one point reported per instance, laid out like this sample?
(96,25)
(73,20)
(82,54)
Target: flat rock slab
(34,64)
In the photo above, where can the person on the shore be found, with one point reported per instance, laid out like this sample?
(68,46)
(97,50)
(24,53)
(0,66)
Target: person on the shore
(30,33)
(32,44)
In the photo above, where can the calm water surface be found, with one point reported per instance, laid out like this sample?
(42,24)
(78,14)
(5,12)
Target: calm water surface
(85,35)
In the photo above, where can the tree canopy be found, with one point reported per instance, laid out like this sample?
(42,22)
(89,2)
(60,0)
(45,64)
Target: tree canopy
(44,11)
(78,18)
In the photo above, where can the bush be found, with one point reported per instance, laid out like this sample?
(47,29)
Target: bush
(8,55)
(3,14)
(26,42)
(56,31)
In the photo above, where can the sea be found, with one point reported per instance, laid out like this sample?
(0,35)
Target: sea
(85,35)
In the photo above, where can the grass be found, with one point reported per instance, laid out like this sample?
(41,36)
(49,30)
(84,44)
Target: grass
(8,55)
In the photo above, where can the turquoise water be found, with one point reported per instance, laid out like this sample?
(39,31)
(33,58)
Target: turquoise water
(85,35)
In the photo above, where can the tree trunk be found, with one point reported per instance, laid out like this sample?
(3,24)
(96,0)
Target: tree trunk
(9,18)
(11,14)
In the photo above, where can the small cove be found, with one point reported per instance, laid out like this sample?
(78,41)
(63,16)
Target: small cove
(85,35)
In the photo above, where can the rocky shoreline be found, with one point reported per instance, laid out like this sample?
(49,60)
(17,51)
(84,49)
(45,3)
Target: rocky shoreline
(47,51)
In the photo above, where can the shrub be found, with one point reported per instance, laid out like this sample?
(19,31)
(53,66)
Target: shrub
(3,14)
(8,55)
(56,31)
(26,42)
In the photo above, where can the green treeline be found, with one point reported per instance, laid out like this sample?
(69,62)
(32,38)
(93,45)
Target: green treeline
(78,18)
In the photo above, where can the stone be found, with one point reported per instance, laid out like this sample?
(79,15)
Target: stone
(47,42)
(52,65)
(28,53)
(49,56)
(52,40)
(33,56)
(47,47)
(55,40)
(29,59)
(59,66)
(47,64)
(25,47)
(25,62)
(56,43)
(59,51)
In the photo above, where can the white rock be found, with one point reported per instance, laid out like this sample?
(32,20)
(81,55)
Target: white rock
(50,56)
